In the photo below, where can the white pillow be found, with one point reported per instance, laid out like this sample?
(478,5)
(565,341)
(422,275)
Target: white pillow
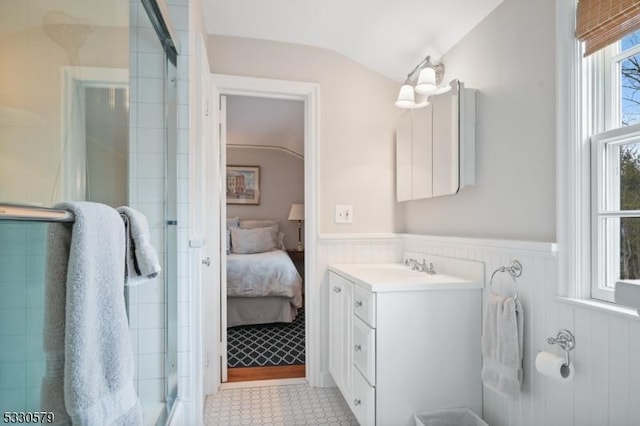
(255,240)
(259,223)
(232,222)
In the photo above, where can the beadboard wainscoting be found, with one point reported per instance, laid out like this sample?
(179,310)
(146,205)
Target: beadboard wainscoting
(606,389)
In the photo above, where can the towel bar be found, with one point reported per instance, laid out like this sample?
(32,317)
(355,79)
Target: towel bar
(514,269)
(25,212)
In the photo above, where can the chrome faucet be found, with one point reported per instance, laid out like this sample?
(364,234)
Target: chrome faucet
(415,266)
(420,267)
(427,269)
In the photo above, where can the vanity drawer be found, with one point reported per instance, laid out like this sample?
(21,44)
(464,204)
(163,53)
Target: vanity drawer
(363,400)
(364,349)
(364,305)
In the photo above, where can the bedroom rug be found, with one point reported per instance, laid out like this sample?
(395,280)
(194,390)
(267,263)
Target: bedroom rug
(266,345)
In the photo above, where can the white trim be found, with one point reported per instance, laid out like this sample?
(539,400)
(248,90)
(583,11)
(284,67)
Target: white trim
(263,383)
(572,162)
(268,147)
(599,306)
(99,76)
(74,80)
(310,94)
(358,237)
(605,195)
(513,245)
(530,246)
(222,247)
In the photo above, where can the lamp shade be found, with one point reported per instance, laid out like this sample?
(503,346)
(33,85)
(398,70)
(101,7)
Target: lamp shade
(296,212)
(426,81)
(406,97)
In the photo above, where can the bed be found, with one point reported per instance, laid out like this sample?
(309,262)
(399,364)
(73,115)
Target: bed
(263,286)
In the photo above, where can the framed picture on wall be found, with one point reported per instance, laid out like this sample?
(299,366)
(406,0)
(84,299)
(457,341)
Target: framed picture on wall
(243,184)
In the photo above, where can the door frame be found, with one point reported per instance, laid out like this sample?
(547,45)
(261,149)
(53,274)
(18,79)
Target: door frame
(75,79)
(309,93)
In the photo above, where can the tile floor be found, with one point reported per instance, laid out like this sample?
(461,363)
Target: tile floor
(278,405)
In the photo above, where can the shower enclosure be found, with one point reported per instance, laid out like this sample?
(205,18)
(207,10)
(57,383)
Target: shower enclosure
(87,112)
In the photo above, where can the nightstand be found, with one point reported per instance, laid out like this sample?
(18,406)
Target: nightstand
(297,257)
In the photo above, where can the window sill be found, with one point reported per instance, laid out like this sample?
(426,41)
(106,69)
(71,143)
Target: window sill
(602,307)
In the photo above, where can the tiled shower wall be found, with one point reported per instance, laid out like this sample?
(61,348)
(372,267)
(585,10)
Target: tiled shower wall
(146,193)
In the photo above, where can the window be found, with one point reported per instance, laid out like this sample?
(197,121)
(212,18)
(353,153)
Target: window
(613,111)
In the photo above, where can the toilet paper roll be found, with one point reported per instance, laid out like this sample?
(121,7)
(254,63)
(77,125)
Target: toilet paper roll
(553,366)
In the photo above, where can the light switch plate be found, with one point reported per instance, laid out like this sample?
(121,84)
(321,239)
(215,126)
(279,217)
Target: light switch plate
(344,214)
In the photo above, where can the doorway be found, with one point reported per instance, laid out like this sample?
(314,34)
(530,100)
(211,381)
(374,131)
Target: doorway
(278,89)
(264,227)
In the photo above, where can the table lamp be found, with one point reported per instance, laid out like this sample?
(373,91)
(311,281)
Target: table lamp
(297,213)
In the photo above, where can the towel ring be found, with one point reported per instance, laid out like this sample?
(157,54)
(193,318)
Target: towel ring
(515,270)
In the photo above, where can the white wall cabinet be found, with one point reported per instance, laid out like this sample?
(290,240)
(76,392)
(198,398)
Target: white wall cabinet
(395,353)
(435,146)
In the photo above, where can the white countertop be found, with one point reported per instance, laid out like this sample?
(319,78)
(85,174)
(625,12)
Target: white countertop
(382,277)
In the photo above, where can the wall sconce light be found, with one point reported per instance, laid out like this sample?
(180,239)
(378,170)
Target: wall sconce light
(429,82)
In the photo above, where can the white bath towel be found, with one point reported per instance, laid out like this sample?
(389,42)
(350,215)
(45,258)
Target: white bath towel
(89,376)
(502,345)
(142,260)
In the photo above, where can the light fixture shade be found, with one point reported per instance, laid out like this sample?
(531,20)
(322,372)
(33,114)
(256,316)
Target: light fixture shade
(426,81)
(441,89)
(406,97)
(296,212)
(421,101)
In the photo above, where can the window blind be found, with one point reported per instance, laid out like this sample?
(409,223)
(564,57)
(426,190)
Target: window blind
(602,22)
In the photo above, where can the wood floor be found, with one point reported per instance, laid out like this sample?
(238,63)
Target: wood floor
(246,374)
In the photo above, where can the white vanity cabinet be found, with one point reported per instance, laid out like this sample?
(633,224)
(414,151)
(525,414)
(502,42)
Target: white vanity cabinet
(340,319)
(398,350)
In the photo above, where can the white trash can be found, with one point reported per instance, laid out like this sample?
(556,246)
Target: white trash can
(451,417)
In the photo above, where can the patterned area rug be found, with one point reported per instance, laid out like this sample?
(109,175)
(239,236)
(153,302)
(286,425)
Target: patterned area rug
(267,345)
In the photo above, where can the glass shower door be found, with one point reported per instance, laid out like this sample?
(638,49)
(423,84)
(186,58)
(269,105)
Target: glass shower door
(22,357)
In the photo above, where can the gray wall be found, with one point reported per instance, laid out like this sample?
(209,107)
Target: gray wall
(510,58)
(281,184)
(357,125)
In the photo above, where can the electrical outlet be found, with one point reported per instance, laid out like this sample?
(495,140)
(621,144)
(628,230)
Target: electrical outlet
(344,214)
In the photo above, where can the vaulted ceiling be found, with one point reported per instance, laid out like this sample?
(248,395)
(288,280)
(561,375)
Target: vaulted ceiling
(387,36)
(265,123)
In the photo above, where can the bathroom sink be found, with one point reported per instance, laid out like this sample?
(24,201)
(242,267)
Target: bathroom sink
(398,276)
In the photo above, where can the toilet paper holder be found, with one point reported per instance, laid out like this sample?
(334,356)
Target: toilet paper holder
(566,341)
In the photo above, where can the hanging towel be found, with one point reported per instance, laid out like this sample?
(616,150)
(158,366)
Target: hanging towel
(89,375)
(502,345)
(141,258)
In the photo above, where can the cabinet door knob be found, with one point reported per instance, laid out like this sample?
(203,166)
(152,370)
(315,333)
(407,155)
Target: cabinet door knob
(358,303)
(357,402)
(357,347)
(337,289)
